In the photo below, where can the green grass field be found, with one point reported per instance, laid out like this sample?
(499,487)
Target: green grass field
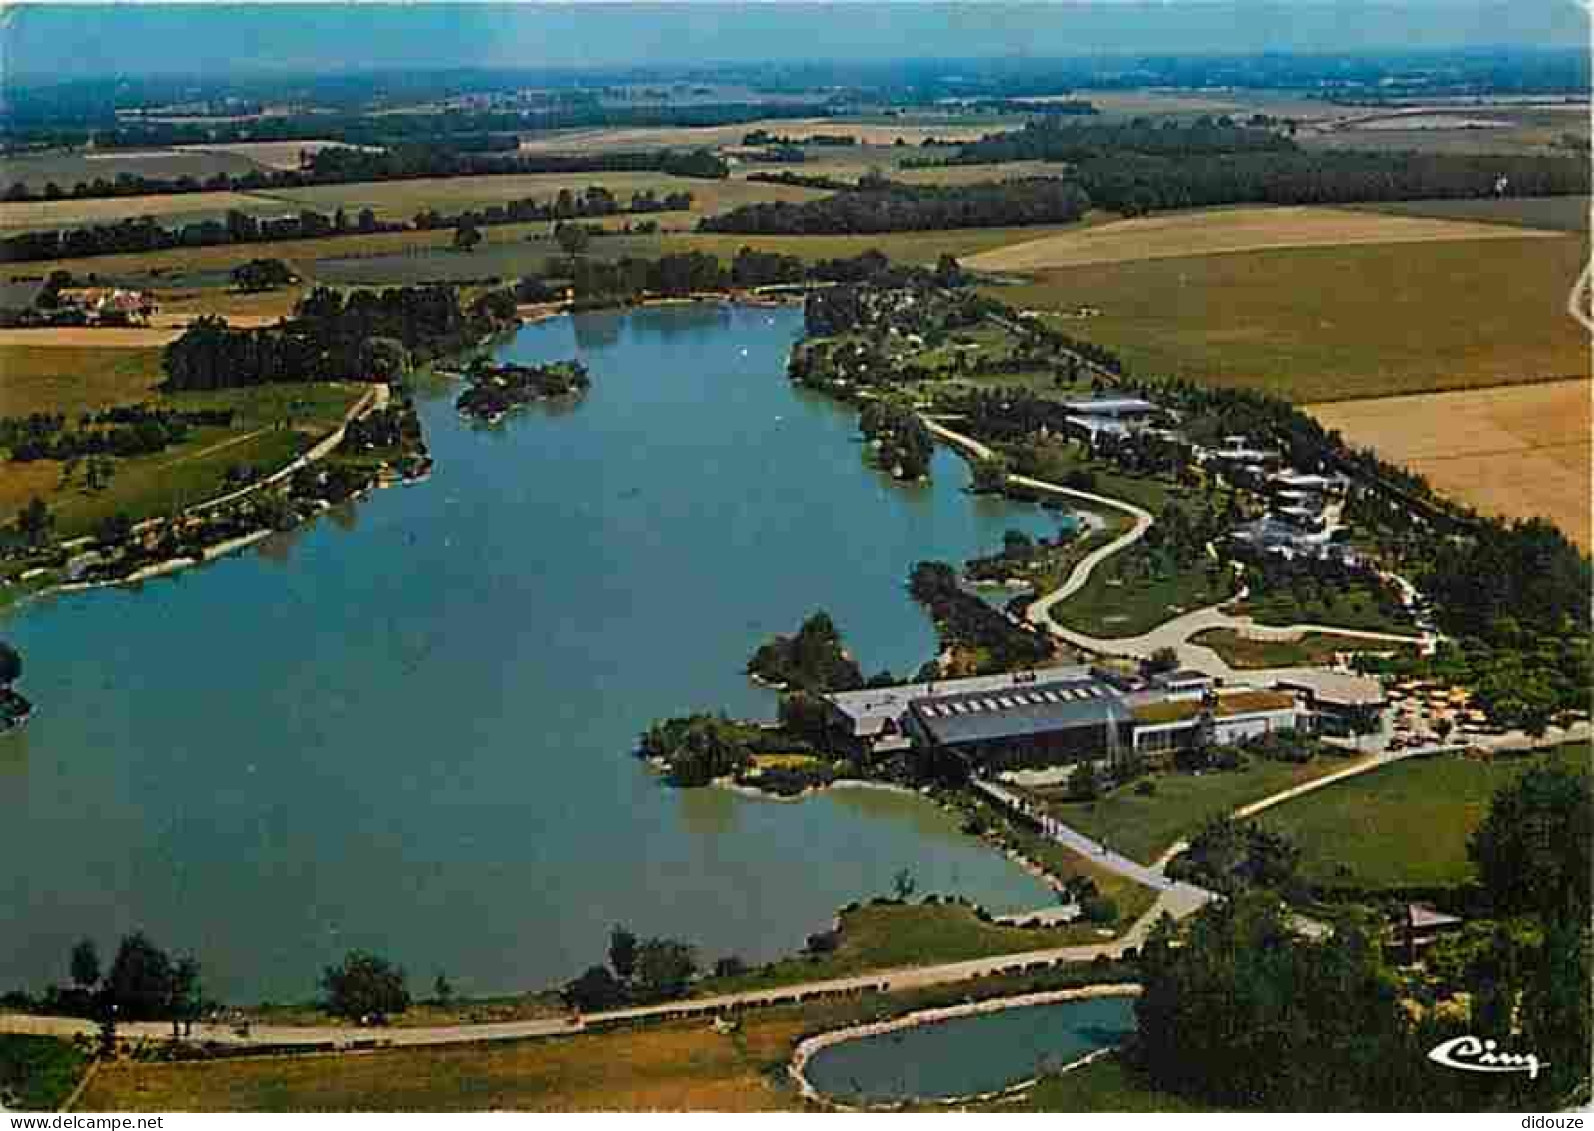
(1312,648)
(1333,323)
(188,473)
(1117,601)
(1352,607)
(1143,827)
(889,937)
(1102,1085)
(1405,824)
(40,1071)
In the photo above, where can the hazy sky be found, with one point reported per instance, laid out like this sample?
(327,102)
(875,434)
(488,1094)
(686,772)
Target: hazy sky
(71,40)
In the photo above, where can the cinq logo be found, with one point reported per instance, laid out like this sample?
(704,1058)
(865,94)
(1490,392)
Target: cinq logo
(1471,1054)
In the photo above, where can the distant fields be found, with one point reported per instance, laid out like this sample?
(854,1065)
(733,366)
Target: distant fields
(1333,323)
(1402,824)
(401,200)
(1552,213)
(1518,452)
(74,379)
(168,208)
(1177,235)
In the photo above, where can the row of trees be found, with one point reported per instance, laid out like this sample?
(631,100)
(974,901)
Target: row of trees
(907,208)
(967,624)
(1052,140)
(640,971)
(336,165)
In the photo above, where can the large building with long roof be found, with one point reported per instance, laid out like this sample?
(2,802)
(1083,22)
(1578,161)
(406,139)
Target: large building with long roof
(1056,716)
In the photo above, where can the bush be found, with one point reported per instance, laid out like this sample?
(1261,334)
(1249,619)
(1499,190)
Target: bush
(1146,788)
(1099,909)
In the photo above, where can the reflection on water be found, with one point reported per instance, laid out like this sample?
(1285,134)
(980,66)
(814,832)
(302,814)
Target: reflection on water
(417,738)
(970,1055)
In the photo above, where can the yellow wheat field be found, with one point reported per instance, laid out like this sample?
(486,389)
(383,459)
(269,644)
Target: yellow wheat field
(1518,452)
(1231,230)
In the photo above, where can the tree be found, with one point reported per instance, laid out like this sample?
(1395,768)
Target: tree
(35,521)
(10,664)
(466,237)
(384,359)
(572,238)
(903,884)
(183,1002)
(596,989)
(85,961)
(140,980)
(1161,661)
(1083,783)
(622,953)
(262,275)
(665,966)
(364,985)
(442,991)
(1532,850)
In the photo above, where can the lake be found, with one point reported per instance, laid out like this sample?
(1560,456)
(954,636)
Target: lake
(408,726)
(972,1055)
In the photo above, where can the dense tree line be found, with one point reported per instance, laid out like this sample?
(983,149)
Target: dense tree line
(364,337)
(963,621)
(1134,184)
(143,233)
(123,431)
(1050,140)
(639,971)
(340,165)
(763,137)
(595,200)
(905,208)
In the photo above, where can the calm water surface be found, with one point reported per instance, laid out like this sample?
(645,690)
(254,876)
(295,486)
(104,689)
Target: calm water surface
(407,727)
(970,1055)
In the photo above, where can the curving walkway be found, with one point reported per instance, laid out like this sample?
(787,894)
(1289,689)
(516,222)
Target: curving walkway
(881,981)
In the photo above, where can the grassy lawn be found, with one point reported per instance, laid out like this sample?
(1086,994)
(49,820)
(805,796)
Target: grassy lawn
(1103,1085)
(146,486)
(1557,213)
(74,379)
(1349,608)
(42,1071)
(683,1066)
(1312,648)
(1403,824)
(1119,601)
(1055,460)
(1143,827)
(886,937)
(1334,323)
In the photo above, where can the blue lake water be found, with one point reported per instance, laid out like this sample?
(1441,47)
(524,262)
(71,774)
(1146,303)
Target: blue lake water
(407,727)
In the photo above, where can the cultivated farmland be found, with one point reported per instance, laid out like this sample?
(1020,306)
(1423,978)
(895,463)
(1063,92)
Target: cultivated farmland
(1518,452)
(1229,230)
(1333,323)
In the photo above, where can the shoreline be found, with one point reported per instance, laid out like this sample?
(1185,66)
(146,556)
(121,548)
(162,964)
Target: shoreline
(807,1047)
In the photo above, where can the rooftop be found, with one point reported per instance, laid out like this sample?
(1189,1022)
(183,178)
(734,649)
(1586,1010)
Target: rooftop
(1338,688)
(1109,406)
(1024,710)
(876,703)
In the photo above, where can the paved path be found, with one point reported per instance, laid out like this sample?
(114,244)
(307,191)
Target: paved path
(1168,901)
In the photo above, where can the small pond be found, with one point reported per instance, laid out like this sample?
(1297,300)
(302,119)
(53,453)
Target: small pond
(969,1055)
